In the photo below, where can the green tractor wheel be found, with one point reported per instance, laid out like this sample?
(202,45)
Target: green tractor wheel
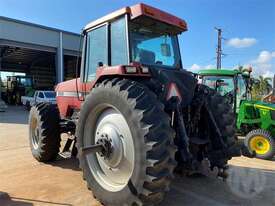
(262,143)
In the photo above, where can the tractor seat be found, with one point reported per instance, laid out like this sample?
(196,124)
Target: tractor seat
(147,57)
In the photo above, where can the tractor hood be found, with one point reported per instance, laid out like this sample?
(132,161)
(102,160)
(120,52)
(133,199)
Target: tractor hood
(265,105)
(261,105)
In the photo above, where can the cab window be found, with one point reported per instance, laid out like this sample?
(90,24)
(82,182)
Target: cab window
(223,84)
(96,51)
(241,91)
(41,95)
(119,53)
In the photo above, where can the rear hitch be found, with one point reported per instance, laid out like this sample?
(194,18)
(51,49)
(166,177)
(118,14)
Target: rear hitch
(179,125)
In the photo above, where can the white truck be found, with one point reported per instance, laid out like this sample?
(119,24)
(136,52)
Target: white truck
(39,96)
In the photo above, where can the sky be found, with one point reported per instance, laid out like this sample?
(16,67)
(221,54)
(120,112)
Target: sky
(248,26)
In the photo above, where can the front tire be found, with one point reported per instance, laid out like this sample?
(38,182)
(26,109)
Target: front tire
(144,138)
(44,132)
(262,143)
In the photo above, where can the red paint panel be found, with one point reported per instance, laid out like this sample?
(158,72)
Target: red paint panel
(143,9)
(65,103)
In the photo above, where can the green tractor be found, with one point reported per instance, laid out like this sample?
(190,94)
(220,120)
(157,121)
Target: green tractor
(254,119)
(15,87)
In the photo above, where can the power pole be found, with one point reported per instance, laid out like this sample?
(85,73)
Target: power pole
(219,48)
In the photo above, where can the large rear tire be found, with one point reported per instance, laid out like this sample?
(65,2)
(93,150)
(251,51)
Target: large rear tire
(224,118)
(139,169)
(44,132)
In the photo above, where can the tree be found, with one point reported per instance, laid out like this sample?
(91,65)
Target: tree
(261,86)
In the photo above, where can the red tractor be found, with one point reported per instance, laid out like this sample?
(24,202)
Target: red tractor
(134,112)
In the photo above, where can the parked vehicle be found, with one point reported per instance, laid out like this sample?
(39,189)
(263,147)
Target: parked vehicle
(38,97)
(135,112)
(255,119)
(15,87)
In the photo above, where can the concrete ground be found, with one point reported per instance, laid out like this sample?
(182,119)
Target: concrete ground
(26,182)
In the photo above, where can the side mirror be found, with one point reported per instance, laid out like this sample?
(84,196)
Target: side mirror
(165,50)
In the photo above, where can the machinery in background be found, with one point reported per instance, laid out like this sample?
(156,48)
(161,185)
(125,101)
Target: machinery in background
(39,96)
(254,119)
(15,87)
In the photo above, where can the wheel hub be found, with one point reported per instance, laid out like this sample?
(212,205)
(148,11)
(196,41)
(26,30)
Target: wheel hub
(35,133)
(113,166)
(259,144)
(112,153)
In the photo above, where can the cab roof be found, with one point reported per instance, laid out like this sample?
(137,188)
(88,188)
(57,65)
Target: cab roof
(141,10)
(220,72)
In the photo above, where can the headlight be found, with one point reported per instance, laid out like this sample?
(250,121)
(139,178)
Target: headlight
(130,70)
(144,69)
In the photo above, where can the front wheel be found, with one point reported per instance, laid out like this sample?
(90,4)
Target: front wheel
(137,163)
(262,143)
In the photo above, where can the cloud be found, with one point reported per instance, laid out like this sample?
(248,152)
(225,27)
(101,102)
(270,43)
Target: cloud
(241,43)
(196,67)
(263,64)
(264,57)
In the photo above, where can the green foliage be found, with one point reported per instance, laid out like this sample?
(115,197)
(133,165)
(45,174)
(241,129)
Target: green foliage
(261,87)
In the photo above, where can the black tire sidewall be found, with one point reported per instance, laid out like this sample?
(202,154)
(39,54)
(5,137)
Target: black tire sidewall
(35,114)
(87,121)
(48,119)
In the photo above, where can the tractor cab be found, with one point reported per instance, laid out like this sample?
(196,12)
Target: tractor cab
(136,42)
(233,84)
(138,34)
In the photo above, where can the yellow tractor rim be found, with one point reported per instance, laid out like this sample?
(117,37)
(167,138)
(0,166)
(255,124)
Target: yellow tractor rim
(259,144)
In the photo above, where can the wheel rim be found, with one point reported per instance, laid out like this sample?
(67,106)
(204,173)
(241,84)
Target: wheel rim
(260,145)
(113,171)
(34,133)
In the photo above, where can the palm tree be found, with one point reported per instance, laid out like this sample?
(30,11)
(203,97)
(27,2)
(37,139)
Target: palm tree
(262,86)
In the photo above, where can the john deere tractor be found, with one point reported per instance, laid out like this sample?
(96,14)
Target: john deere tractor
(255,119)
(15,87)
(134,113)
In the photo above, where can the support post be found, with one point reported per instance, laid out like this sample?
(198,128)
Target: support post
(60,60)
(3,106)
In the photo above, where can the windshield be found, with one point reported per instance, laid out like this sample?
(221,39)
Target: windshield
(50,94)
(25,81)
(223,84)
(154,48)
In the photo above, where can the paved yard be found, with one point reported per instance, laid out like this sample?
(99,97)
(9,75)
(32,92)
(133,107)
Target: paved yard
(26,182)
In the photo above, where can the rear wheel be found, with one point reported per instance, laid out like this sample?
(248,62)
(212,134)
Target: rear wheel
(262,143)
(137,167)
(44,132)
(215,122)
